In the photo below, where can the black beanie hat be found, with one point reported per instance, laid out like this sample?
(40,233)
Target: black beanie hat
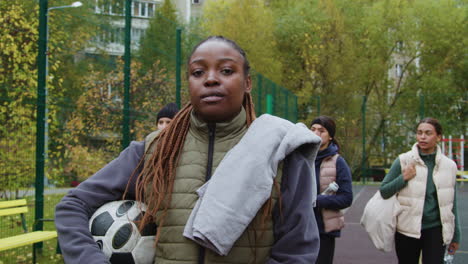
(169,111)
(327,123)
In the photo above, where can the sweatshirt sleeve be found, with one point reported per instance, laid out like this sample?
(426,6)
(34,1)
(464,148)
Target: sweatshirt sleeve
(393,181)
(73,212)
(344,195)
(295,229)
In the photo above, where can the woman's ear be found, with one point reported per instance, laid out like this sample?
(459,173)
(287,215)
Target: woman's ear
(248,84)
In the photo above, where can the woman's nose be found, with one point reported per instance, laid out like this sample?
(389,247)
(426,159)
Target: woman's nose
(211,79)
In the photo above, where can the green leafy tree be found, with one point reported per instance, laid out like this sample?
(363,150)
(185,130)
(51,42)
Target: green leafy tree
(159,41)
(95,127)
(344,50)
(18,38)
(18,82)
(250,23)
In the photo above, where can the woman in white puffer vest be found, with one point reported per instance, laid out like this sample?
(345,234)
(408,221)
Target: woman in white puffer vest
(424,180)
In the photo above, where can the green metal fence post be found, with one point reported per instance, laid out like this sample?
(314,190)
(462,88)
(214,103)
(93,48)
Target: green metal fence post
(178,64)
(41,117)
(363,164)
(295,109)
(421,107)
(273,103)
(269,106)
(259,94)
(127,75)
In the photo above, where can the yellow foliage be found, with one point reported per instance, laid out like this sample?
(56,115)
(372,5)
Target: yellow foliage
(251,24)
(85,161)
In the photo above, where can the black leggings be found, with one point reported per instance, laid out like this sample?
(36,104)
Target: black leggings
(327,249)
(431,244)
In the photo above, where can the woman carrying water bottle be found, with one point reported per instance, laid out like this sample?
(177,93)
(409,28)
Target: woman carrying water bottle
(334,187)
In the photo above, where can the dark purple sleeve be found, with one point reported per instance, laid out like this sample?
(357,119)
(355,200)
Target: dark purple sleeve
(296,233)
(344,195)
(73,212)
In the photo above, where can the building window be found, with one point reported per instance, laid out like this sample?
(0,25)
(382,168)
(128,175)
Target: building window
(196,1)
(114,35)
(399,46)
(115,7)
(136,35)
(398,70)
(150,10)
(143,9)
(136,8)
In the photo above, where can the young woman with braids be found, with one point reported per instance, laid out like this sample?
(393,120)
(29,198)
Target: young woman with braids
(253,205)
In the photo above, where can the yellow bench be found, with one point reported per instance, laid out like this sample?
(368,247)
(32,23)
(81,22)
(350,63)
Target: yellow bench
(15,207)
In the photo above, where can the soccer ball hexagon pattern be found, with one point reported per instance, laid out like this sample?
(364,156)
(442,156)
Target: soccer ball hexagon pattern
(115,229)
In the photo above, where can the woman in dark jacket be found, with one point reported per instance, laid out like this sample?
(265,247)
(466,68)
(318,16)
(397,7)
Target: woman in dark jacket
(330,167)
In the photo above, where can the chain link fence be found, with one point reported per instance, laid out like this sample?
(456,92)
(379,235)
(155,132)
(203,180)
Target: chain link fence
(102,82)
(103,72)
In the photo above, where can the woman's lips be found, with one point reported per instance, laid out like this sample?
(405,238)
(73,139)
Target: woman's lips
(212,98)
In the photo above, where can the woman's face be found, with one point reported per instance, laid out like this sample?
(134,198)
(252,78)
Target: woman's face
(163,122)
(322,132)
(427,138)
(217,82)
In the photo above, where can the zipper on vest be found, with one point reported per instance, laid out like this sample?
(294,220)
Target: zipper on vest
(209,167)
(211,141)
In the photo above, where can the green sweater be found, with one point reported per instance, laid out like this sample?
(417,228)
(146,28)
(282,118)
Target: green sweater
(394,182)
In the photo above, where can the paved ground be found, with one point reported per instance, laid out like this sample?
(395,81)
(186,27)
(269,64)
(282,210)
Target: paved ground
(355,247)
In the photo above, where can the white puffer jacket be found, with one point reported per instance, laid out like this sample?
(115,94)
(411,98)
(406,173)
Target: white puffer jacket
(412,196)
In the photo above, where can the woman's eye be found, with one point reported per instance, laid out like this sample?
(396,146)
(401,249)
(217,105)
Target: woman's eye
(227,71)
(197,73)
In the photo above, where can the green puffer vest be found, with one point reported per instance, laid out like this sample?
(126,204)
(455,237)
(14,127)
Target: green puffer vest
(191,170)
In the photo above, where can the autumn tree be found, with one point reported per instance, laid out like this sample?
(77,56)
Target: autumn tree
(94,130)
(393,53)
(250,23)
(18,38)
(159,40)
(18,81)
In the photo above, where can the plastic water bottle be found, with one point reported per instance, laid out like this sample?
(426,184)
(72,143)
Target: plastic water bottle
(448,259)
(331,189)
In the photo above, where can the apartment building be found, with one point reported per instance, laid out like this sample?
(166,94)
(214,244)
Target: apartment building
(111,39)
